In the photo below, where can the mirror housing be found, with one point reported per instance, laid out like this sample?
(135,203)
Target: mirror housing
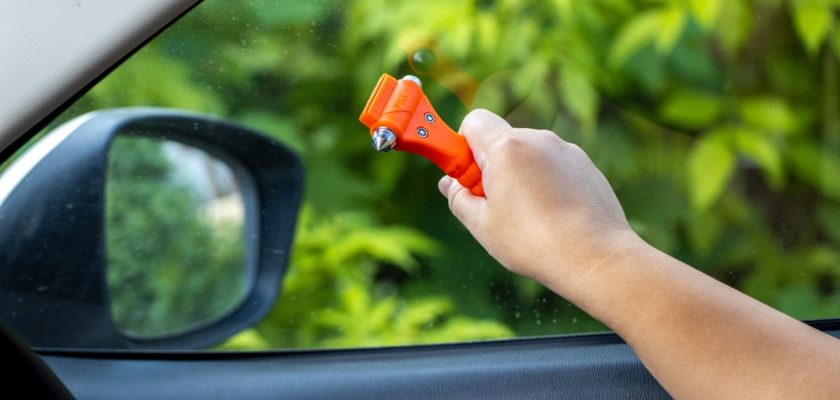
(53,288)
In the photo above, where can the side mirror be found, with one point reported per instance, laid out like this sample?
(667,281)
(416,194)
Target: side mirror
(145,228)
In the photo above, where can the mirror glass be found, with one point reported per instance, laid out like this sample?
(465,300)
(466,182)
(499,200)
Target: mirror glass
(175,227)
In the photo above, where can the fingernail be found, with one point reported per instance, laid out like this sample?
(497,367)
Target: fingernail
(444,184)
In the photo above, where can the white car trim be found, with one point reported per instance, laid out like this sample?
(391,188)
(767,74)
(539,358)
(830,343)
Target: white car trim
(21,167)
(50,49)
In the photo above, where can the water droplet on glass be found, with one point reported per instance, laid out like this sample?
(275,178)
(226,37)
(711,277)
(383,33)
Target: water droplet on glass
(423,61)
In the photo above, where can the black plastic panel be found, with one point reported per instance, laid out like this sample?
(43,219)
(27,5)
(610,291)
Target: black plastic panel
(582,367)
(597,367)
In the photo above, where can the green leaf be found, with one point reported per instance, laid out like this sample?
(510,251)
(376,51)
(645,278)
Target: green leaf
(818,166)
(690,109)
(710,166)
(462,329)
(395,245)
(812,20)
(706,11)
(420,312)
(661,27)
(248,339)
(635,34)
(762,150)
(672,22)
(771,114)
(735,25)
(565,8)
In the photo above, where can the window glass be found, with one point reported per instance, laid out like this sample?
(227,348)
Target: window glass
(717,123)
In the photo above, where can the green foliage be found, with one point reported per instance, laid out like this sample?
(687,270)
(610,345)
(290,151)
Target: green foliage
(710,166)
(716,121)
(331,296)
(691,110)
(813,20)
(168,269)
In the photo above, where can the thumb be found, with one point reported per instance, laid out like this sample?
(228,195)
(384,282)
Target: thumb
(482,128)
(463,204)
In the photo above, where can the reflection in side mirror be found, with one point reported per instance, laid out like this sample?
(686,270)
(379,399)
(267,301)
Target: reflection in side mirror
(175,237)
(145,228)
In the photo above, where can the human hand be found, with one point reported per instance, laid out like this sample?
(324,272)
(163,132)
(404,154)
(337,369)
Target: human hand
(548,211)
(549,214)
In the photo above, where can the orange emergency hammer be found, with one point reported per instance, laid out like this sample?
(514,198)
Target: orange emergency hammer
(400,117)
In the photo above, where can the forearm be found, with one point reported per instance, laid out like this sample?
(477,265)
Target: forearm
(549,214)
(699,337)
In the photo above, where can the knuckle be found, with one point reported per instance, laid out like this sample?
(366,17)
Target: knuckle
(577,150)
(473,119)
(478,113)
(511,146)
(550,136)
(547,138)
(511,142)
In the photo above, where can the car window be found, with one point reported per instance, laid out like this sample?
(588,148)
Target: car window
(717,123)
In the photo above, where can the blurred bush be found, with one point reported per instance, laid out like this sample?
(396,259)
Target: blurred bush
(717,122)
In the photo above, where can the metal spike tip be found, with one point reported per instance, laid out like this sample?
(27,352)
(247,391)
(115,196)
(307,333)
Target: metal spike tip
(383,140)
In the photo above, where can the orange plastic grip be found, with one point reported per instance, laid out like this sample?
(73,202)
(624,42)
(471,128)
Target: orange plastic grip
(401,106)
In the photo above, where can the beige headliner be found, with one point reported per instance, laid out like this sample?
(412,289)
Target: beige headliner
(49,49)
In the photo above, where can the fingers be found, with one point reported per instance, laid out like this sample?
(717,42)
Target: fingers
(463,204)
(482,128)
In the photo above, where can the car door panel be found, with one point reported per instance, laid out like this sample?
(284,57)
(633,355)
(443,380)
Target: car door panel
(599,366)
(592,367)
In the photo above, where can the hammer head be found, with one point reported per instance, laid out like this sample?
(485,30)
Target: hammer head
(400,117)
(391,107)
(376,103)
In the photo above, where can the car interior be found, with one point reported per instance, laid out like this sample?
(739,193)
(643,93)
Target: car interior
(190,208)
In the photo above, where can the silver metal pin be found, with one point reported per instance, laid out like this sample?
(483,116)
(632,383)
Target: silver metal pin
(383,139)
(413,79)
